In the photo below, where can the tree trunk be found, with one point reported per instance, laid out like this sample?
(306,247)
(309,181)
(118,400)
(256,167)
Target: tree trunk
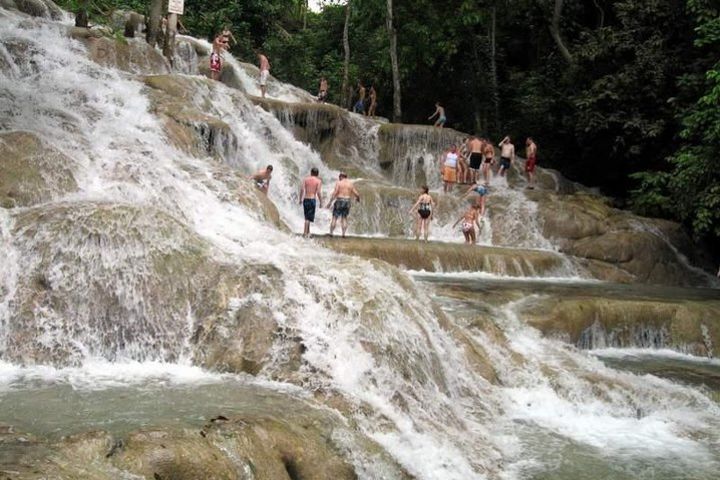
(555,31)
(154,22)
(81,17)
(170,31)
(305,7)
(397,109)
(344,92)
(494,94)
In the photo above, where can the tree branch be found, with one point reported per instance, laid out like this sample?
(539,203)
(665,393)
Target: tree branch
(555,31)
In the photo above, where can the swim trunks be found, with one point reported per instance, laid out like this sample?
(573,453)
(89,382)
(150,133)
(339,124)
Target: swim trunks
(530,164)
(505,163)
(359,106)
(309,209)
(424,210)
(341,208)
(450,174)
(442,120)
(215,62)
(260,183)
(264,76)
(475,160)
(488,160)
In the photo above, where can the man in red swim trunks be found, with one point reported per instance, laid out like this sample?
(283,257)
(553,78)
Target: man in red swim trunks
(531,154)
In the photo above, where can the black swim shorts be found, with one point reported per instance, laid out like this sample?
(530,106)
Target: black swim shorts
(475,160)
(309,209)
(341,208)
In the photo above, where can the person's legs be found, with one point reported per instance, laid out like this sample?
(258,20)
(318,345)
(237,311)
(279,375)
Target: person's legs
(418,226)
(306,232)
(332,224)
(472,236)
(344,225)
(427,228)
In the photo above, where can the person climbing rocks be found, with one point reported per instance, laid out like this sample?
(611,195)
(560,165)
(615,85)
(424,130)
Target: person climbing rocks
(440,113)
(423,212)
(310,197)
(449,172)
(359,106)
(531,162)
(215,58)
(262,179)
(323,90)
(469,219)
(507,155)
(481,191)
(463,172)
(489,154)
(264,72)
(373,102)
(343,192)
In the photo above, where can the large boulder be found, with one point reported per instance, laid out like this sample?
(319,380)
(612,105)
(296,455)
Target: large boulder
(31,171)
(132,55)
(38,8)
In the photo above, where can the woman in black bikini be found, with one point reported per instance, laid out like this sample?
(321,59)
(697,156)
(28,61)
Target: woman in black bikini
(425,206)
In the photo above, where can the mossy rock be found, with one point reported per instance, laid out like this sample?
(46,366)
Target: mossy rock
(686,326)
(39,8)
(32,172)
(129,55)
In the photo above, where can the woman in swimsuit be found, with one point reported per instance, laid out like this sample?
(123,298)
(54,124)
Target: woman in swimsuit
(469,219)
(425,206)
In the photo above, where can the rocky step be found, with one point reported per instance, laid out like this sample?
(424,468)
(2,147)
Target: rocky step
(450,257)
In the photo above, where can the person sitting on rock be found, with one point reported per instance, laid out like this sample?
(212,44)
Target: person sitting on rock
(469,219)
(262,179)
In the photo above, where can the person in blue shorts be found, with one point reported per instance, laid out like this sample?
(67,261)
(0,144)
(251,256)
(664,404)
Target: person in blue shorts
(343,192)
(481,191)
(440,113)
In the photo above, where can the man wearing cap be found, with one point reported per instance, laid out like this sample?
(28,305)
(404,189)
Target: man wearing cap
(343,192)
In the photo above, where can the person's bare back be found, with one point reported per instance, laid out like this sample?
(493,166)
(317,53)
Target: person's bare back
(311,186)
(345,189)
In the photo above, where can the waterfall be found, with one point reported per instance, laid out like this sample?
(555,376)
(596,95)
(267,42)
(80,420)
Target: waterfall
(153,250)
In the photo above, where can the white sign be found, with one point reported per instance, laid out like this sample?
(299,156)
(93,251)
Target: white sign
(176,6)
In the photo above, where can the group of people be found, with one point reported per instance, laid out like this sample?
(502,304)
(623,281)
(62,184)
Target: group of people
(367,100)
(475,159)
(220,44)
(310,196)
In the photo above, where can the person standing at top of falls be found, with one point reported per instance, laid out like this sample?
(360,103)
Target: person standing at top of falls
(262,179)
(507,155)
(469,219)
(489,154)
(343,192)
(475,147)
(264,72)
(531,162)
(449,172)
(440,113)
(425,206)
(360,104)
(323,90)
(215,59)
(481,191)
(310,196)
(373,102)
(462,167)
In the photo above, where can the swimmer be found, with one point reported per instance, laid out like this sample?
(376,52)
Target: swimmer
(424,207)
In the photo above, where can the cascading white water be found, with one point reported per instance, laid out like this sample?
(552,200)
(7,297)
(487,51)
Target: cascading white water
(368,332)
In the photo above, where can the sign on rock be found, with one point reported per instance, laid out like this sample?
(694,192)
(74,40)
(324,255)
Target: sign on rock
(176,6)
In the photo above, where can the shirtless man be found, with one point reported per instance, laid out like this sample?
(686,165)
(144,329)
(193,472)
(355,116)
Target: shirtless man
(440,112)
(323,90)
(489,161)
(310,190)
(360,104)
(507,155)
(264,72)
(463,154)
(344,191)
(469,219)
(262,179)
(531,155)
(476,157)
(373,102)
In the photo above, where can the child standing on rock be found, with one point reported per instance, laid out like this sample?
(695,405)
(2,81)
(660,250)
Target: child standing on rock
(469,219)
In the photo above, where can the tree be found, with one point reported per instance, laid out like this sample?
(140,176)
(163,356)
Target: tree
(345,93)
(154,22)
(392,34)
